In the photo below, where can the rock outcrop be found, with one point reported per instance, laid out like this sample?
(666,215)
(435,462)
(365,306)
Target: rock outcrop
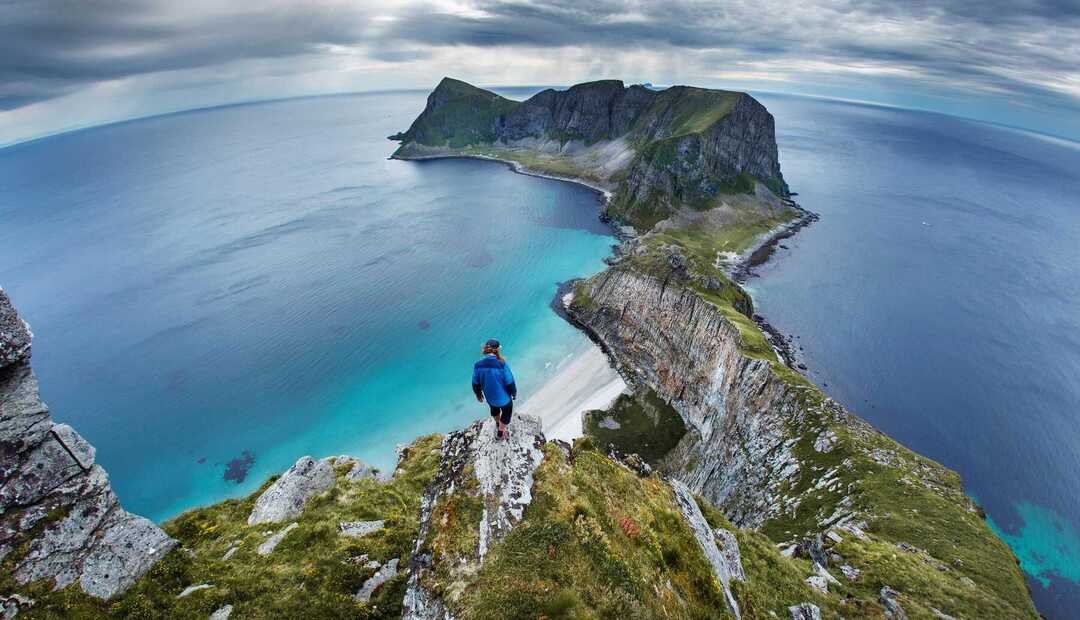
(706,539)
(59,517)
(477,467)
(287,496)
(271,543)
(381,576)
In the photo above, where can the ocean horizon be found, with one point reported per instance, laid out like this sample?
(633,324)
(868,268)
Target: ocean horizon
(234,281)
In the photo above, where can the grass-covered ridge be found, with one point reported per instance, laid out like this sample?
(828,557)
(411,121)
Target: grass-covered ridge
(458,115)
(597,541)
(613,136)
(683,110)
(313,573)
(918,533)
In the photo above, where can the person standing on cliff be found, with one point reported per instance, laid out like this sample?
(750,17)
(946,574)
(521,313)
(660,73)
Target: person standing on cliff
(492,378)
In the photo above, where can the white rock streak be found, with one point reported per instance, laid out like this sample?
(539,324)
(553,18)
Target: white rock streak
(706,538)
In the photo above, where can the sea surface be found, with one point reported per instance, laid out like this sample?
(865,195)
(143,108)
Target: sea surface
(216,293)
(225,290)
(939,298)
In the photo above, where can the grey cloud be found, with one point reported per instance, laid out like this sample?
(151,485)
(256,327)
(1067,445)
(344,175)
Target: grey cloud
(67,44)
(49,48)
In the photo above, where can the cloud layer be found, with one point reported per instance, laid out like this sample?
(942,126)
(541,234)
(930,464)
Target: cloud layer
(66,63)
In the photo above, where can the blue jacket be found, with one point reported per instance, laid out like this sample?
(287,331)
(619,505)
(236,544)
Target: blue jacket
(494,379)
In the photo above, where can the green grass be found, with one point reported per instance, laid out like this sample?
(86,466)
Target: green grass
(689,110)
(468,115)
(597,541)
(533,161)
(648,426)
(307,576)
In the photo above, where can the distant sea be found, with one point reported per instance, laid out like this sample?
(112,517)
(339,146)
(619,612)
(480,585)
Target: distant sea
(248,284)
(939,298)
(217,293)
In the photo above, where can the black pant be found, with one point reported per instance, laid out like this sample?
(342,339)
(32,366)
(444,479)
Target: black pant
(506,410)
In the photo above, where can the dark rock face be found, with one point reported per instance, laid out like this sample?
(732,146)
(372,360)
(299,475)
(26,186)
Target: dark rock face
(59,518)
(735,408)
(694,167)
(14,333)
(589,112)
(689,144)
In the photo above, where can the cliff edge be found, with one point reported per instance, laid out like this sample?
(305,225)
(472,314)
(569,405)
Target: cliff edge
(657,152)
(725,486)
(60,521)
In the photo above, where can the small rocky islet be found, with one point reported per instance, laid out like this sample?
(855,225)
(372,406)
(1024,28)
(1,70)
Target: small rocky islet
(756,496)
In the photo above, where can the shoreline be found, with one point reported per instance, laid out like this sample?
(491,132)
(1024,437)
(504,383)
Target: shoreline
(741,270)
(760,252)
(619,231)
(584,380)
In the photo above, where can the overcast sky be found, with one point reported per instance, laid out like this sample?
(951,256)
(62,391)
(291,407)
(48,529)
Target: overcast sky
(66,64)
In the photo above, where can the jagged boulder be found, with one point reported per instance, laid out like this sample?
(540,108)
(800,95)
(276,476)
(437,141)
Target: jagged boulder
(287,496)
(729,546)
(56,505)
(497,472)
(381,576)
(706,538)
(15,334)
(893,610)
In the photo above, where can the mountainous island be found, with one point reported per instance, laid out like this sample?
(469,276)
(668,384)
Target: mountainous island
(724,485)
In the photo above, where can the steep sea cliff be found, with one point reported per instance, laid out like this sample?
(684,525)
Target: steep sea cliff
(773,501)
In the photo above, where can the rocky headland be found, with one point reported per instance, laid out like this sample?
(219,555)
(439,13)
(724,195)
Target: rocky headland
(724,485)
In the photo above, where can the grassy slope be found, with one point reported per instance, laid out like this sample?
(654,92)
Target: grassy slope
(467,116)
(307,576)
(597,542)
(915,500)
(690,110)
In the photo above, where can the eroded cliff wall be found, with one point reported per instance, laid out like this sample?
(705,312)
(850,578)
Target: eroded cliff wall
(775,454)
(682,346)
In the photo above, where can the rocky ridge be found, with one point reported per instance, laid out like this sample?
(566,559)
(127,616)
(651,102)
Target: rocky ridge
(657,151)
(59,518)
(697,173)
(774,453)
(775,502)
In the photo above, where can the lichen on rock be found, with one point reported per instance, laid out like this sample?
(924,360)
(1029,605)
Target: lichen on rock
(287,496)
(59,517)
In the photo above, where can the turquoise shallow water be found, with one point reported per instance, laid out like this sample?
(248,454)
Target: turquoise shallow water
(939,298)
(261,280)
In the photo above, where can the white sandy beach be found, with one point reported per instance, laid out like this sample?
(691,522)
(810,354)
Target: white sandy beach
(585,381)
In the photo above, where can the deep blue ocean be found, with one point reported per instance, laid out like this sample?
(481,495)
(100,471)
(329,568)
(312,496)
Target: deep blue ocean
(251,284)
(939,298)
(260,282)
